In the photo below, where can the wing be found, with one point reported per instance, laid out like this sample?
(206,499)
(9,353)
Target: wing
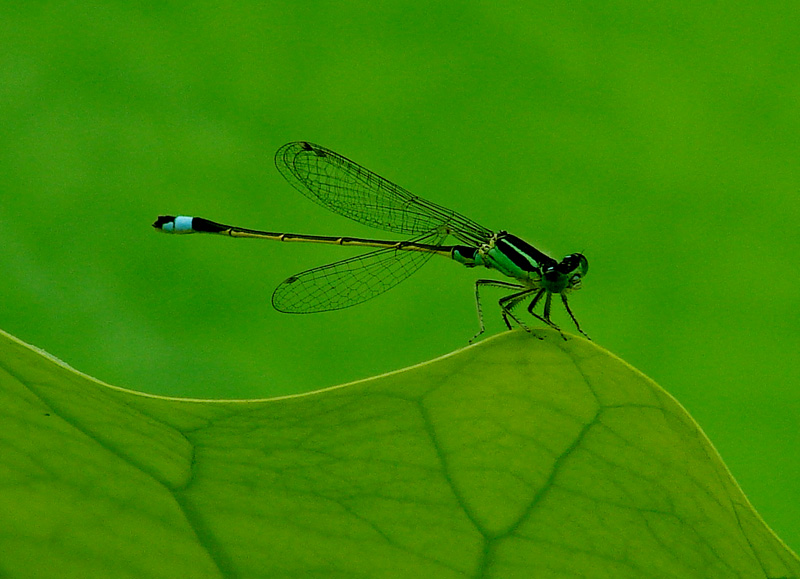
(352,281)
(346,188)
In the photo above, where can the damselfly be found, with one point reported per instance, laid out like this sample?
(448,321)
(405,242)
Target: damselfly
(349,189)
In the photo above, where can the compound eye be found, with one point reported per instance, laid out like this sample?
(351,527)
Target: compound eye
(584,264)
(576,261)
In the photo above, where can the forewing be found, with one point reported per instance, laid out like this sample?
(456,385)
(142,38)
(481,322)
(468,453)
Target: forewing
(349,189)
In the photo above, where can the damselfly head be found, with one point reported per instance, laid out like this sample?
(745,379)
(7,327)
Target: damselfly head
(566,274)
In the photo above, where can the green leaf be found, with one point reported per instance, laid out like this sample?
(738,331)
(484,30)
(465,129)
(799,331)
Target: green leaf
(517,457)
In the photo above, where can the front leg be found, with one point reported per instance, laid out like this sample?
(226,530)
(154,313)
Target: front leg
(575,321)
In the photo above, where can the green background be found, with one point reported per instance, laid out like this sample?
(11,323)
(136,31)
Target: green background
(660,140)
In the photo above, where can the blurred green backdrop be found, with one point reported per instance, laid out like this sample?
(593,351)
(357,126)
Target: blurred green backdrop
(659,139)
